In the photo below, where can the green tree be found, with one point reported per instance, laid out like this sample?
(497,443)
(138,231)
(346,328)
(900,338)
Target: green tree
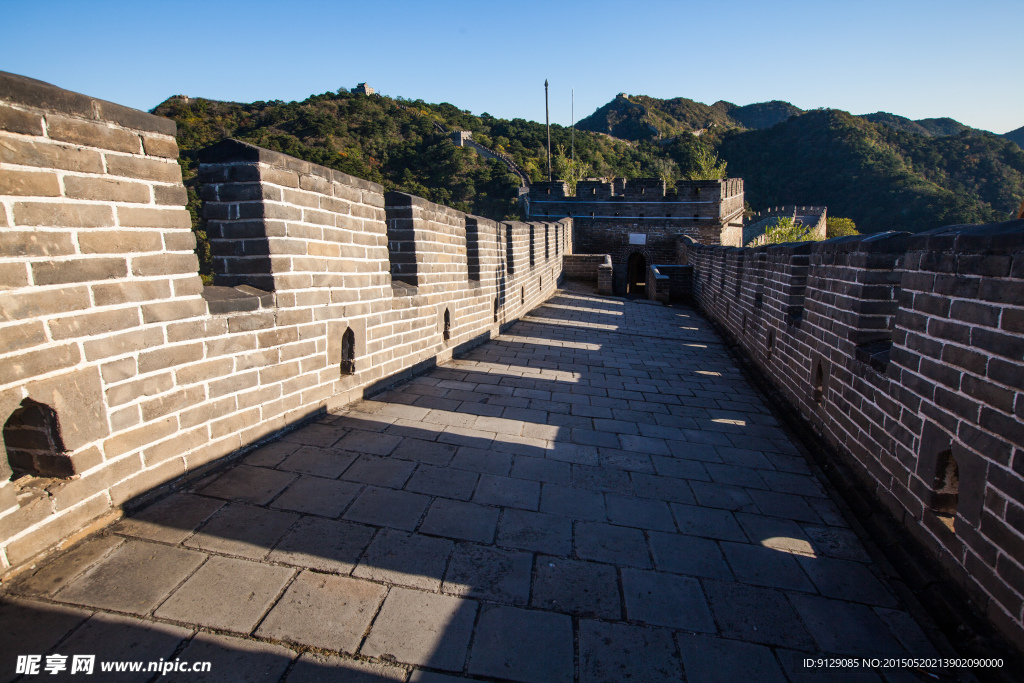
(785,230)
(569,170)
(666,169)
(839,227)
(705,165)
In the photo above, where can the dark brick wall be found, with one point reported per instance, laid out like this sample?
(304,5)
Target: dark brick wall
(902,351)
(606,214)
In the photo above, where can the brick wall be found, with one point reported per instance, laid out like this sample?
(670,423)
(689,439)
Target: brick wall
(151,376)
(596,268)
(905,352)
(606,214)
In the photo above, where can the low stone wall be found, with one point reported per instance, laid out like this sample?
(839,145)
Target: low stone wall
(670,284)
(120,372)
(905,352)
(590,268)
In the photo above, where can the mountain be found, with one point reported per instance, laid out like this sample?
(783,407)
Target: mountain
(1016,136)
(931,127)
(881,176)
(639,118)
(763,114)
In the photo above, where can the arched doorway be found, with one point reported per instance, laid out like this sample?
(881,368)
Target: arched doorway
(636,275)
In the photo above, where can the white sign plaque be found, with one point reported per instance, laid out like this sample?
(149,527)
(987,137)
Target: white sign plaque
(637,238)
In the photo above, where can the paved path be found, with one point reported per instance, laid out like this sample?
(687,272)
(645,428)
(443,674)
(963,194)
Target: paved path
(597,495)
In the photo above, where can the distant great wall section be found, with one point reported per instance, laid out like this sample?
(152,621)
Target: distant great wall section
(121,372)
(906,354)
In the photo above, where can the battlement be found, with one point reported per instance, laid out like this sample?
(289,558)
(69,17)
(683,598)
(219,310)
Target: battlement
(121,373)
(637,189)
(813,218)
(905,353)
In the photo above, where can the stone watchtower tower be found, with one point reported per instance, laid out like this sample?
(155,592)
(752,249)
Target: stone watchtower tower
(639,222)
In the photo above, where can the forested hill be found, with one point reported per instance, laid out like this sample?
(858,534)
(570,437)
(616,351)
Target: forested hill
(890,174)
(882,177)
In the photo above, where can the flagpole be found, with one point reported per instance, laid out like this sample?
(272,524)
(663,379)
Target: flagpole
(547,123)
(572,111)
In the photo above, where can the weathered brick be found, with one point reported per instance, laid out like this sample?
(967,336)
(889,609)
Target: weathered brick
(45,154)
(1013,320)
(93,322)
(173,310)
(39,362)
(35,304)
(279,176)
(165,264)
(171,402)
(105,189)
(161,358)
(12,275)
(1005,426)
(29,183)
(203,372)
(18,337)
(78,270)
(1010,346)
(179,241)
(987,393)
(18,121)
(35,243)
(144,169)
(120,241)
(63,215)
(139,217)
(170,195)
(144,386)
(160,146)
(230,345)
(139,437)
(118,370)
(234,384)
(234,423)
(112,293)
(92,134)
(125,342)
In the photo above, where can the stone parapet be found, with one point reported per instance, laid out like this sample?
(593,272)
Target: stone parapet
(121,373)
(906,353)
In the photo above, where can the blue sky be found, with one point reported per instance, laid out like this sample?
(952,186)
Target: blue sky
(914,58)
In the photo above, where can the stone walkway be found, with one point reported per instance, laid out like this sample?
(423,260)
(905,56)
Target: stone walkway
(596,495)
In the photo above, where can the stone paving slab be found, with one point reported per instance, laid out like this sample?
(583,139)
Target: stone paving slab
(227,594)
(134,578)
(414,627)
(323,611)
(595,495)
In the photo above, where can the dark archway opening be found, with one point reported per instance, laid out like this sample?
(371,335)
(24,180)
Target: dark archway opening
(947,487)
(348,352)
(819,382)
(33,441)
(447,325)
(636,275)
